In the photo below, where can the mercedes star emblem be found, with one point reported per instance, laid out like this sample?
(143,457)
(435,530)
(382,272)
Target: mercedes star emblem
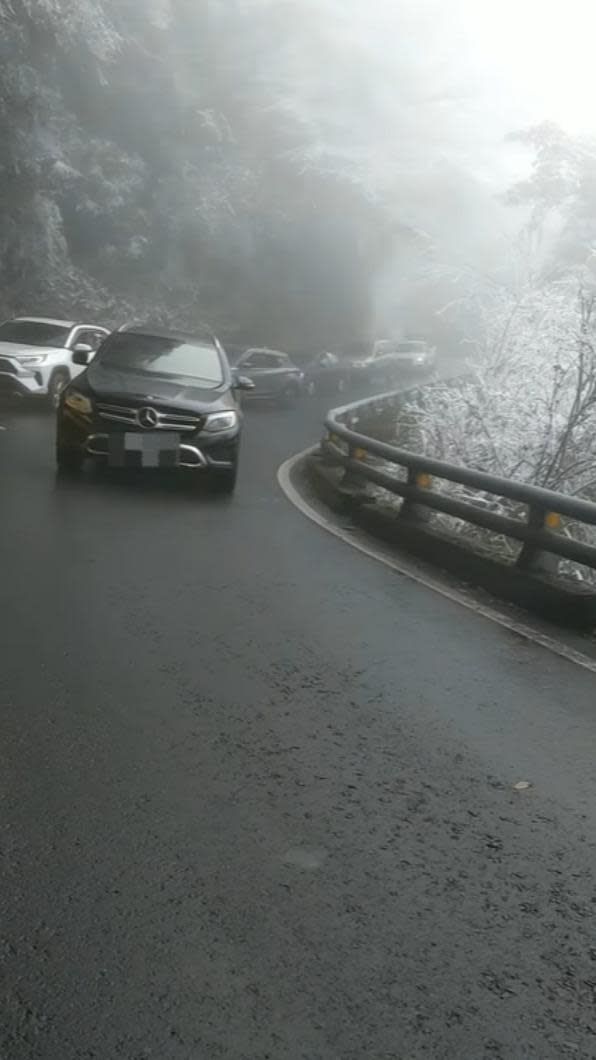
(148,418)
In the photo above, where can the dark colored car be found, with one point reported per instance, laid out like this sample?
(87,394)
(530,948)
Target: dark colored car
(326,374)
(273,374)
(154,398)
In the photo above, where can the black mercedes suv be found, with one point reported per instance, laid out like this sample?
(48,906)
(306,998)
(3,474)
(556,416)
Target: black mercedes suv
(154,398)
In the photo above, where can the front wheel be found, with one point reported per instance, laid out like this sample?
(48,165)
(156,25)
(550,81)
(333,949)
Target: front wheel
(68,460)
(57,384)
(289,396)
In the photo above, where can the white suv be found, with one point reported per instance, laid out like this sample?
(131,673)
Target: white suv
(36,354)
(411,352)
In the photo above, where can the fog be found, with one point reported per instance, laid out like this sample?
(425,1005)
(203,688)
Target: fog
(398,84)
(290,172)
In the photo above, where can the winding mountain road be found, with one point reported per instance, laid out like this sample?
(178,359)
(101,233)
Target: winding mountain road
(258,792)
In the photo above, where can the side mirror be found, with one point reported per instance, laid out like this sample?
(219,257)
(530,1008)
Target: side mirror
(242,382)
(82,353)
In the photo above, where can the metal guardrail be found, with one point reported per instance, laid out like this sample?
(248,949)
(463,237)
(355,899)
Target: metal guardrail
(544,507)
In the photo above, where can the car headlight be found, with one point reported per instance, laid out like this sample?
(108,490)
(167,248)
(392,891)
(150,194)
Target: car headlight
(221,421)
(37,358)
(78,402)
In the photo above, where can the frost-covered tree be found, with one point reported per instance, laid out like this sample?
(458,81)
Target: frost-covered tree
(184,157)
(526,408)
(560,192)
(143,162)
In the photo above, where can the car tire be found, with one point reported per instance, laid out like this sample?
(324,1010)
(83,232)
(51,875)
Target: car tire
(68,460)
(289,396)
(56,385)
(224,482)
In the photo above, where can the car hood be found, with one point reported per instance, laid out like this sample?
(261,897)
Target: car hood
(17,349)
(184,393)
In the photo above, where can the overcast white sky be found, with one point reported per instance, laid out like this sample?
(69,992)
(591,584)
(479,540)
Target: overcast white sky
(534,54)
(540,53)
(413,82)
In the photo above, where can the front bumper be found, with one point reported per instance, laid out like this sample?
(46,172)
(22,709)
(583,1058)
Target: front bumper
(90,438)
(415,363)
(190,454)
(404,364)
(22,383)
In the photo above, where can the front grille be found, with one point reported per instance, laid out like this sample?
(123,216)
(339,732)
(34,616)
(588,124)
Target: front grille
(167,419)
(8,366)
(119,413)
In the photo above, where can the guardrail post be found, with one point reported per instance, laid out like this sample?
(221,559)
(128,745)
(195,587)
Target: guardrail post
(532,557)
(410,510)
(327,456)
(352,482)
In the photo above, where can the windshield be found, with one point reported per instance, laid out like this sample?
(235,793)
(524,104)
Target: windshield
(34,333)
(411,347)
(384,346)
(151,355)
(256,352)
(392,346)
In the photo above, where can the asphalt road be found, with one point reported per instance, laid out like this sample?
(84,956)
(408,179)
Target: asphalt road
(257,791)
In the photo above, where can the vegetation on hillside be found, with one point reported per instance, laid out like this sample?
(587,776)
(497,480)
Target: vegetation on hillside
(146,170)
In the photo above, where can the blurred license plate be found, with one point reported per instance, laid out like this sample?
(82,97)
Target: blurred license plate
(150,449)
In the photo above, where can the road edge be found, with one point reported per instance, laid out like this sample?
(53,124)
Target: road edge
(377,552)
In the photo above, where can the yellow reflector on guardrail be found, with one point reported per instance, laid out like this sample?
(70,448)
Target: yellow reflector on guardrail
(359,454)
(423,480)
(552,520)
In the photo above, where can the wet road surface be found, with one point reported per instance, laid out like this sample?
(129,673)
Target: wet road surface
(257,792)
